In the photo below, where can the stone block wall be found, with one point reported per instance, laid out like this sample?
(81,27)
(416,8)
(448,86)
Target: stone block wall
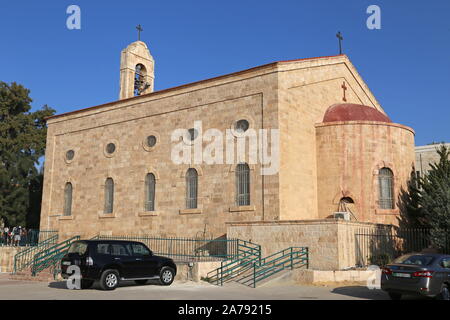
(349,157)
(306,89)
(127,123)
(426,155)
(7,258)
(331,242)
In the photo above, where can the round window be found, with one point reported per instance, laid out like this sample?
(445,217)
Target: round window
(241,126)
(151,141)
(193,133)
(70,155)
(110,148)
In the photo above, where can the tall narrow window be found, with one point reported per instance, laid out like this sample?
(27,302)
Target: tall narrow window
(150,192)
(385,180)
(191,188)
(68,199)
(109,195)
(242,184)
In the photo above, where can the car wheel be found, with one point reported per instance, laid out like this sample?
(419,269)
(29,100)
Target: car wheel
(166,276)
(140,282)
(109,279)
(86,284)
(444,294)
(395,296)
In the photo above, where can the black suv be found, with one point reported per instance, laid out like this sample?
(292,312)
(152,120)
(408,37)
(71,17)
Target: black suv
(111,261)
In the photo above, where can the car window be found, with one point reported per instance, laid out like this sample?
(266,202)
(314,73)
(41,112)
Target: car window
(446,263)
(119,250)
(103,248)
(139,249)
(78,247)
(418,260)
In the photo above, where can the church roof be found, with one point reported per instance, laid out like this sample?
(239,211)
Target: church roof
(269,65)
(354,112)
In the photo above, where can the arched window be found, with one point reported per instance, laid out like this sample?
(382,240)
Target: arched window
(242,184)
(68,199)
(150,192)
(386,183)
(191,188)
(109,195)
(139,79)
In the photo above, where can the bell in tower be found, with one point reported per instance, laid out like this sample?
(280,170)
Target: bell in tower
(136,70)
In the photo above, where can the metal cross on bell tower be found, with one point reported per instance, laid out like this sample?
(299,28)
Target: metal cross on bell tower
(139,29)
(340,37)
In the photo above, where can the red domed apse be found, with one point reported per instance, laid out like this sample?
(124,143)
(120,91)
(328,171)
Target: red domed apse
(354,112)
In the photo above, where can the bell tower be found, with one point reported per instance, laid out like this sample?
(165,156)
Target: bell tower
(136,70)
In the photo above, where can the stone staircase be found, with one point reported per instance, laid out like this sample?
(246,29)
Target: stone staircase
(251,270)
(46,275)
(41,266)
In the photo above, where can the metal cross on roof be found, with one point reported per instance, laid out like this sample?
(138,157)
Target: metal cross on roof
(139,29)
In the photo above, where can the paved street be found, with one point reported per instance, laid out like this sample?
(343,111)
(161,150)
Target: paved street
(10,289)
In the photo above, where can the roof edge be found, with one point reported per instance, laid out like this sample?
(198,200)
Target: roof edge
(272,64)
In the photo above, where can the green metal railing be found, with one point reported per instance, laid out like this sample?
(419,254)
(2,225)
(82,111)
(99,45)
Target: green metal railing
(248,254)
(51,256)
(29,238)
(185,249)
(290,258)
(43,235)
(250,269)
(24,258)
(382,244)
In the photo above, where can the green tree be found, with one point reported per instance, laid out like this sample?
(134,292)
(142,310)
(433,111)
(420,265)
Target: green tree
(22,144)
(410,202)
(434,198)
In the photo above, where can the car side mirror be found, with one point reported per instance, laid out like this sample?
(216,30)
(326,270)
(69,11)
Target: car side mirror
(150,253)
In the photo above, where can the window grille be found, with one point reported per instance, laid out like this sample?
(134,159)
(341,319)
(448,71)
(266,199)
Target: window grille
(68,199)
(191,188)
(109,195)
(242,184)
(150,185)
(385,180)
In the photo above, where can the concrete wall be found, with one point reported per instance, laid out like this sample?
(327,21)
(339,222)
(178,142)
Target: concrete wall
(7,258)
(196,271)
(331,242)
(302,276)
(426,155)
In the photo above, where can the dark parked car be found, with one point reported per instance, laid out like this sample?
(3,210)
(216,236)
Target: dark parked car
(418,274)
(110,261)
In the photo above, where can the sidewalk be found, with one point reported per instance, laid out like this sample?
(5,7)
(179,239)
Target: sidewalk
(10,289)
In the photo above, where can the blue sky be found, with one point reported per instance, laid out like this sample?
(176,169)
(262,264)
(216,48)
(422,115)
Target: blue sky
(406,64)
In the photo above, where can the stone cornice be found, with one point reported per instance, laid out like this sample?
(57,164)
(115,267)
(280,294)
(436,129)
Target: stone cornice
(304,222)
(373,123)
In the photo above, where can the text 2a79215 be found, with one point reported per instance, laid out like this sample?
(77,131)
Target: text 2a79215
(246,309)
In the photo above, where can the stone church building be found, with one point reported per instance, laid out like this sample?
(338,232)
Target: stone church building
(109,169)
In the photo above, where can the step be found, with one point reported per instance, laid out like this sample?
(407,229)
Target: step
(26,275)
(246,278)
(237,273)
(48,278)
(279,278)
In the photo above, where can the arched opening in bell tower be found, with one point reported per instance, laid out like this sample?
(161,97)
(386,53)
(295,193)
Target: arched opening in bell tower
(140,75)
